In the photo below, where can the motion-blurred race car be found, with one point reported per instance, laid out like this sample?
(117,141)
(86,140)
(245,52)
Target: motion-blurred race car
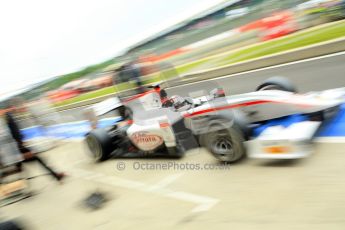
(272,122)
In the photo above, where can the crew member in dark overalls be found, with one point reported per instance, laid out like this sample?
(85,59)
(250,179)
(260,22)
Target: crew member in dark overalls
(28,155)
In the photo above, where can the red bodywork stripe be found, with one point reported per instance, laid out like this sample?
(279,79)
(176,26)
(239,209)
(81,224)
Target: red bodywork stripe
(140,95)
(240,105)
(225,107)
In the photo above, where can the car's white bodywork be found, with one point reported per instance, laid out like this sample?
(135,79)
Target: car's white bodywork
(269,104)
(151,125)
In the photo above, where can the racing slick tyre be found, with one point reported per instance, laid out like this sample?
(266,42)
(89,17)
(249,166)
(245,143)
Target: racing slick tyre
(224,143)
(99,144)
(277,83)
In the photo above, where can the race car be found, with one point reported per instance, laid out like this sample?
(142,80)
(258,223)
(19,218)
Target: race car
(229,127)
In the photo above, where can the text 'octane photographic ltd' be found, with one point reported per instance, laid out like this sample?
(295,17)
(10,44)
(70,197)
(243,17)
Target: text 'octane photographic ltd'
(170,165)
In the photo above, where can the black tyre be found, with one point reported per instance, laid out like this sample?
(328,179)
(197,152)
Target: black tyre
(224,143)
(99,144)
(277,83)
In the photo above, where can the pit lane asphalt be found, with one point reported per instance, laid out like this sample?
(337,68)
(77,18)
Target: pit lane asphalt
(308,75)
(253,194)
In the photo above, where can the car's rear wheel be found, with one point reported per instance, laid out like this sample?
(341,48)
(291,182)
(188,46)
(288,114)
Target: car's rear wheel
(225,143)
(99,144)
(277,83)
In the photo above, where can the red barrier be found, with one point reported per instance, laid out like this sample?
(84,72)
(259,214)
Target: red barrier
(274,26)
(160,57)
(61,95)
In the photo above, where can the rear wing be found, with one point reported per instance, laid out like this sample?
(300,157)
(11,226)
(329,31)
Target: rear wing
(93,112)
(106,106)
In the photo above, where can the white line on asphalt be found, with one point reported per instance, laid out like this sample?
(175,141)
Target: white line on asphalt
(203,203)
(166,181)
(260,69)
(330,140)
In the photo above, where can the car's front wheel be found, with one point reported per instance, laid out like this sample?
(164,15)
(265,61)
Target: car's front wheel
(99,144)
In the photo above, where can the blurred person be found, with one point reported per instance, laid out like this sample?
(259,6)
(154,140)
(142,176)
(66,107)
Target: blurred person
(131,71)
(91,117)
(16,107)
(9,154)
(42,113)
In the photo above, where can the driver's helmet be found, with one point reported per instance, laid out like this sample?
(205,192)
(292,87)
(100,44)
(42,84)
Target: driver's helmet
(178,101)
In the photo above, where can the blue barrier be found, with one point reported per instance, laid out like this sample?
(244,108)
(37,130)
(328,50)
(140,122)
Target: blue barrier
(66,130)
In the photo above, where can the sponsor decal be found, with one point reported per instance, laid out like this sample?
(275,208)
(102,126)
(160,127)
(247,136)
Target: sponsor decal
(146,141)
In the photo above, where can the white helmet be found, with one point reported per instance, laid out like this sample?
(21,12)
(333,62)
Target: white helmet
(178,101)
